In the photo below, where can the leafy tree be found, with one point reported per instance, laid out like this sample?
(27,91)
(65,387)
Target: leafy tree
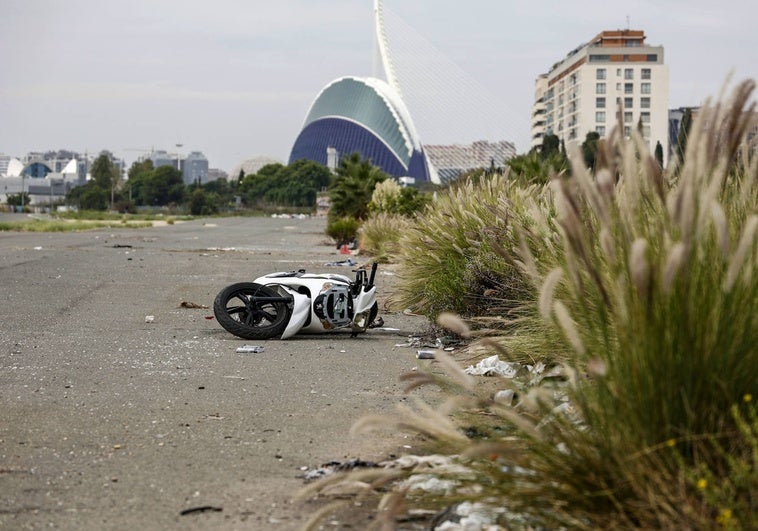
(89,196)
(659,153)
(294,185)
(106,176)
(138,174)
(589,149)
(203,203)
(163,186)
(684,130)
(104,173)
(19,199)
(550,144)
(222,191)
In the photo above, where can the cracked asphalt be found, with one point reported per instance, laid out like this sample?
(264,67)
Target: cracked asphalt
(111,422)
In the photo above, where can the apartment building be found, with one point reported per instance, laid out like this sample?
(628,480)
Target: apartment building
(615,79)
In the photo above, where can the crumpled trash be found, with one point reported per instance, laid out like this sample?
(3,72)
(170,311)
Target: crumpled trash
(467,515)
(247,349)
(493,366)
(327,469)
(425,354)
(149,318)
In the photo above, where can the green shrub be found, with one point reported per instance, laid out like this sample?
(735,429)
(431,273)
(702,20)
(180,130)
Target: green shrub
(343,230)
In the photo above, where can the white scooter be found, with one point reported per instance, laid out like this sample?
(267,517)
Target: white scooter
(280,305)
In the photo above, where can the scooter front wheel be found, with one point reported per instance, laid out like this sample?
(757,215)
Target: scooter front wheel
(251,311)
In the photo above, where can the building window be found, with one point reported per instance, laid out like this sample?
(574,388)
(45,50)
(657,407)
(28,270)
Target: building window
(600,103)
(627,131)
(646,131)
(628,88)
(652,57)
(594,58)
(645,73)
(645,88)
(627,117)
(645,117)
(600,73)
(600,88)
(618,72)
(628,73)
(618,87)
(645,103)
(600,116)
(628,103)
(600,130)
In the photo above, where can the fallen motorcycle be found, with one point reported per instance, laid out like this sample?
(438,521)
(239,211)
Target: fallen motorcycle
(280,305)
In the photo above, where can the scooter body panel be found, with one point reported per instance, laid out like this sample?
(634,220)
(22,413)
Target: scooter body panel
(324,302)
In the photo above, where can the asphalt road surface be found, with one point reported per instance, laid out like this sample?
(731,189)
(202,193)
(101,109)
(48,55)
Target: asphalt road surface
(111,422)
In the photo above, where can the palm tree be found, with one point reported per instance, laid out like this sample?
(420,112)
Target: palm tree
(352,186)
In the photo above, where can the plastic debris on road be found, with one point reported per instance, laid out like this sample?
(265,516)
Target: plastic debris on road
(349,262)
(335,466)
(493,366)
(425,354)
(149,318)
(248,349)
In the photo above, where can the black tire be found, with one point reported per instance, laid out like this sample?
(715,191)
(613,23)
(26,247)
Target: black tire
(372,314)
(239,311)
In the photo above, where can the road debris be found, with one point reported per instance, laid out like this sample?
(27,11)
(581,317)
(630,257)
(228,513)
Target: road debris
(327,469)
(247,349)
(349,262)
(201,509)
(187,304)
(493,366)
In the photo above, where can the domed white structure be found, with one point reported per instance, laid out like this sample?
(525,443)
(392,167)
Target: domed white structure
(253,165)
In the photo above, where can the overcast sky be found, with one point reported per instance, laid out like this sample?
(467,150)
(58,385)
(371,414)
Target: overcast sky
(235,78)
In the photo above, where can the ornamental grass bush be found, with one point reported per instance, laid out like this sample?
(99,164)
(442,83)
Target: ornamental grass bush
(649,420)
(458,255)
(379,236)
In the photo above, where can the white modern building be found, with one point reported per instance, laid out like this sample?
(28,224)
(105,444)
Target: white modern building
(616,79)
(44,181)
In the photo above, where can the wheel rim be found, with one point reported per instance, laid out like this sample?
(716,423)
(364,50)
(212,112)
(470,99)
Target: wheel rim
(244,308)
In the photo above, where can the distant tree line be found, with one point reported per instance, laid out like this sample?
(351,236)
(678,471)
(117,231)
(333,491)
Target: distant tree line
(273,186)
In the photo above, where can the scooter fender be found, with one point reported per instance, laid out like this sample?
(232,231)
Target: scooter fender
(364,301)
(300,312)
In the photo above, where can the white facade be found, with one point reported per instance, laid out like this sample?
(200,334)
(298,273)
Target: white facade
(614,80)
(539,112)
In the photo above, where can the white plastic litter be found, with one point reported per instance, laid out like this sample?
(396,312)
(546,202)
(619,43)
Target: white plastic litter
(493,366)
(505,396)
(250,349)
